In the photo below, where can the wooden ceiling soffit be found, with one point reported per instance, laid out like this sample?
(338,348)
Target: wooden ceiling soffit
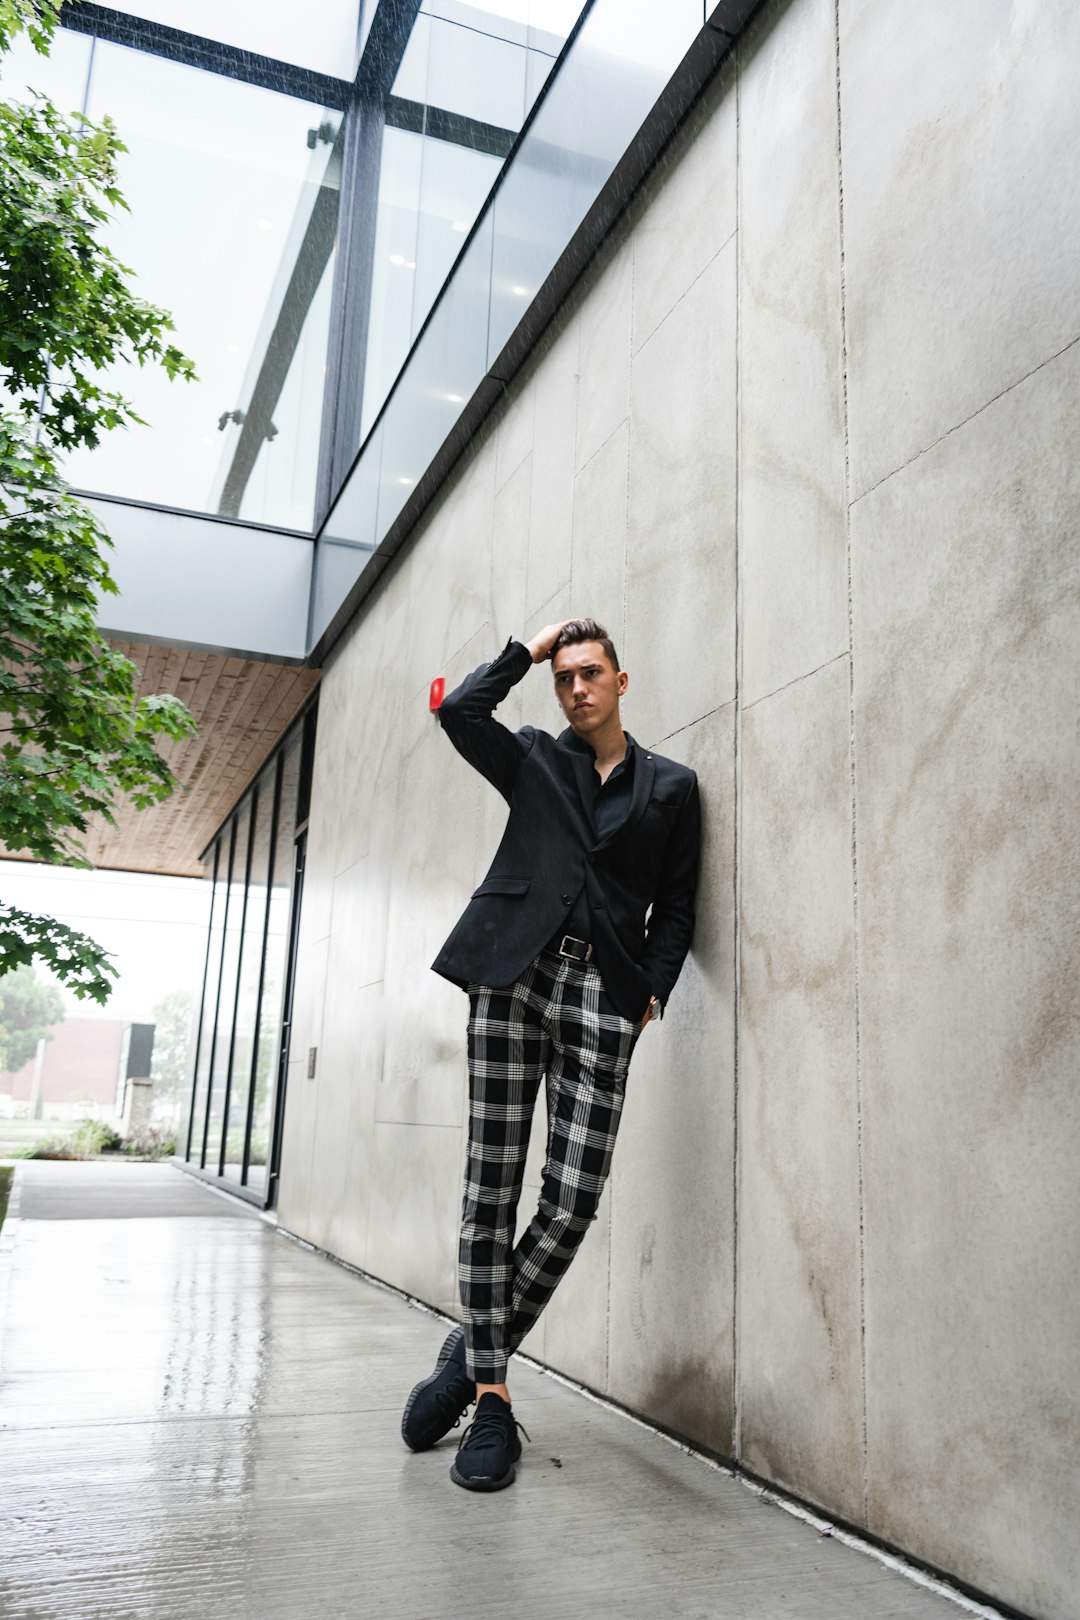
(243,708)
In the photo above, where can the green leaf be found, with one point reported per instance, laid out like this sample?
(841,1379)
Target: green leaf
(80,964)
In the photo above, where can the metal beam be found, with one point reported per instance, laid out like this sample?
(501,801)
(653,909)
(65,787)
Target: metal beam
(350,310)
(214,57)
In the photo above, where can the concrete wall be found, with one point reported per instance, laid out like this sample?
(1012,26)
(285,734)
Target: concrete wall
(806,442)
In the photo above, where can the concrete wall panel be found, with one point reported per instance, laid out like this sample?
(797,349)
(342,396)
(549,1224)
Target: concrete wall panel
(450,595)
(432,879)
(961,210)
(367,1029)
(415,1180)
(680,643)
(598,581)
(688,208)
(551,500)
(672,1186)
(510,551)
(799,1306)
(968,773)
(514,432)
(792,519)
(576,1320)
(604,355)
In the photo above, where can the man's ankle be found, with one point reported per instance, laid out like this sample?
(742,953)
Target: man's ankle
(493,1389)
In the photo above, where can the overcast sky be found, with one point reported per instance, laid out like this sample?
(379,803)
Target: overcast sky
(156,926)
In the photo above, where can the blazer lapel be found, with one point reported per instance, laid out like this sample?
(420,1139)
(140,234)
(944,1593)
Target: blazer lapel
(583,761)
(644,773)
(584,771)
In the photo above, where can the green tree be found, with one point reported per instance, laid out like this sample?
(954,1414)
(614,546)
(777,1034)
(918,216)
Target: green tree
(74,735)
(28,1009)
(172,1020)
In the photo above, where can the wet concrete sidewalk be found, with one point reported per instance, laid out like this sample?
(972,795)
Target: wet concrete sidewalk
(200,1418)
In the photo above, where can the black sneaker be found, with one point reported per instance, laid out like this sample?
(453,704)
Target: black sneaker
(489,1448)
(437,1403)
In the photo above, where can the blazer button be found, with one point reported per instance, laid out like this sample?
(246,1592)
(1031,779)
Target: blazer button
(567,900)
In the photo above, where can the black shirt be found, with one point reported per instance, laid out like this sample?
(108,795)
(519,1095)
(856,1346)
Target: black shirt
(611,806)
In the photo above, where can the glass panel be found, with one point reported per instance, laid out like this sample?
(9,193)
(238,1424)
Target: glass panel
(250,968)
(324,41)
(430,192)
(620,63)
(230,962)
(476,74)
(343,549)
(541,25)
(412,75)
(281,488)
(511,19)
(467,88)
(62,75)
(209,1003)
(444,370)
(393,268)
(454,187)
(228,215)
(621,60)
(277,942)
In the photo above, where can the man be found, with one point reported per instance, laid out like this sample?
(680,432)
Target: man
(564,964)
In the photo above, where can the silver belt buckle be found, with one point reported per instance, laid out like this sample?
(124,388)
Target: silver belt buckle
(572,955)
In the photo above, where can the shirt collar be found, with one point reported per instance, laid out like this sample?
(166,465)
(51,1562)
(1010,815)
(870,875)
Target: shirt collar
(578,745)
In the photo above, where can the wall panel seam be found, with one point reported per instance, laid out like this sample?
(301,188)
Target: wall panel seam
(688,289)
(1018,382)
(851,766)
(795,680)
(601,446)
(736,875)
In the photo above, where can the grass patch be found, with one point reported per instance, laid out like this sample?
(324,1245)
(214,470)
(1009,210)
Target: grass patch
(7,1176)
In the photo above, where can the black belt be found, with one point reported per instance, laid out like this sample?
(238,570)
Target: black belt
(578,950)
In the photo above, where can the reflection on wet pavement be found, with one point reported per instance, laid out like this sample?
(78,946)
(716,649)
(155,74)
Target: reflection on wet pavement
(200,1418)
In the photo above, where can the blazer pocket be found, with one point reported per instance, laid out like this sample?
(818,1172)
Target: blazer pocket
(502,885)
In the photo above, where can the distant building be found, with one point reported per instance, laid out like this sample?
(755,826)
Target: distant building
(81,1062)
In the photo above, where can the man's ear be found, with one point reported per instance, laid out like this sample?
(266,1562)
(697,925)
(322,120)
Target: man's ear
(624,682)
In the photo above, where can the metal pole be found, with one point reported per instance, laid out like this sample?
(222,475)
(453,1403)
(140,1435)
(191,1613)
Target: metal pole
(35,1089)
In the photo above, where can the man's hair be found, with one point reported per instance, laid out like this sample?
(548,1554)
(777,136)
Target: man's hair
(586,630)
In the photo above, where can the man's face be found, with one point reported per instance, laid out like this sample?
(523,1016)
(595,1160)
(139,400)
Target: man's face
(587,687)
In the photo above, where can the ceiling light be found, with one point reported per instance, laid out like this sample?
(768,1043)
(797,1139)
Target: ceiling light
(461,226)
(397,258)
(455,399)
(404,480)
(520,292)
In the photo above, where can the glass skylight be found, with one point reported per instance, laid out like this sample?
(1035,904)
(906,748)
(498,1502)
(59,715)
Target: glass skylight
(322,37)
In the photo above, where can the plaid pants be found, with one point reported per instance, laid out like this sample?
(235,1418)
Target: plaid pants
(555,1020)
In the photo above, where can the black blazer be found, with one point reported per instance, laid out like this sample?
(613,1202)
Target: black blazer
(550,848)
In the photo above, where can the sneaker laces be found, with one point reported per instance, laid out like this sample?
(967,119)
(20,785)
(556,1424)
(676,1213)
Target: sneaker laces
(454,1399)
(489,1428)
